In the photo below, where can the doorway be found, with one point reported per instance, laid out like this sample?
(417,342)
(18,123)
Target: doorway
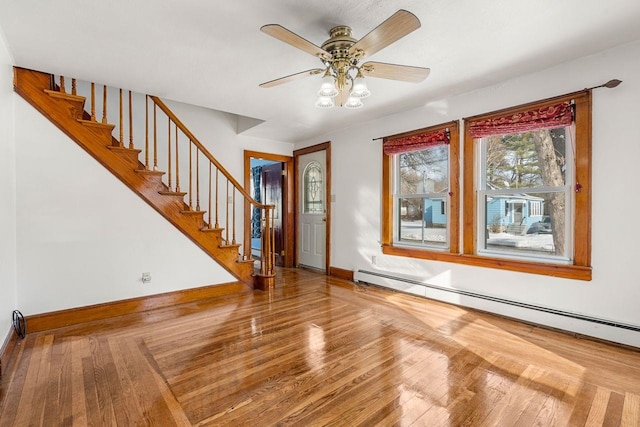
(313,206)
(267,180)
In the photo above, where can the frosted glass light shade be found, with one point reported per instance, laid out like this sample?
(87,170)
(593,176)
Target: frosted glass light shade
(360,89)
(328,87)
(353,103)
(324,102)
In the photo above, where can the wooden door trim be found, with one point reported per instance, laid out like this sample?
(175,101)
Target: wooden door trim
(326,146)
(288,201)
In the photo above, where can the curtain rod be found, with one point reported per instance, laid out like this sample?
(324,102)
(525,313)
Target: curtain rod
(609,85)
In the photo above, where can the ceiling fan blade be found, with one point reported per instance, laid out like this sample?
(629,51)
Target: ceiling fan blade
(393,29)
(292,77)
(405,73)
(287,36)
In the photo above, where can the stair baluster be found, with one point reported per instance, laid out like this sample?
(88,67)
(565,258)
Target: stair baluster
(120,141)
(155,138)
(197,179)
(104,104)
(169,166)
(217,192)
(190,179)
(209,211)
(146,132)
(226,229)
(131,147)
(233,212)
(177,164)
(93,102)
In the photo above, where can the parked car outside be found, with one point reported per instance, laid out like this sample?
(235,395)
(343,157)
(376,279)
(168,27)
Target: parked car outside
(541,227)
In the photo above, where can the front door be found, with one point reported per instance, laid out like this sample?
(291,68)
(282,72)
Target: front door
(312,209)
(272,189)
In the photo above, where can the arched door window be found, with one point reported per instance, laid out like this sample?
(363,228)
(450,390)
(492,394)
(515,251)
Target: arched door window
(313,202)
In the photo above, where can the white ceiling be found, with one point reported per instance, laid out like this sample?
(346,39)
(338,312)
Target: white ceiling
(212,53)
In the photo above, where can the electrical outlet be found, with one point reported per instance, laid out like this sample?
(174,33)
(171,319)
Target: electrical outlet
(146,277)
(374,260)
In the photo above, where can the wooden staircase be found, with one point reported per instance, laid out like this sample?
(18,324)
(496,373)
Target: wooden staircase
(216,234)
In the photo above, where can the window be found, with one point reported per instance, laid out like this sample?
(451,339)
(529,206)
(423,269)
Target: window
(418,187)
(526,191)
(313,189)
(526,170)
(421,180)
(527,179)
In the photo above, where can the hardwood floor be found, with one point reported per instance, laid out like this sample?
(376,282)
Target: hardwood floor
(317,351)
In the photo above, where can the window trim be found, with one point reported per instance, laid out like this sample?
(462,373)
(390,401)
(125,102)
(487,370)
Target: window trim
(454,198)
(581,267)
(466,221)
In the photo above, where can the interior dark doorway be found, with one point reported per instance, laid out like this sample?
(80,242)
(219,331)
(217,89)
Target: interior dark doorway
(267,180)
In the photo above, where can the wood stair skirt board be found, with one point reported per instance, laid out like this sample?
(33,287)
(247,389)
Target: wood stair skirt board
(64,111)
(74,316)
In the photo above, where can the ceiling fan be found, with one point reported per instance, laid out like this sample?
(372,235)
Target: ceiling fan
(343,80)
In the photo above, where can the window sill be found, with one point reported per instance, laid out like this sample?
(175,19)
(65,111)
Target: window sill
(557,270)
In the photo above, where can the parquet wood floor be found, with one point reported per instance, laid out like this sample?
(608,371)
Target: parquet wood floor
(317,351)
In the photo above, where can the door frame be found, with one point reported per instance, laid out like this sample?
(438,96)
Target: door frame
(288,202)
(296,154)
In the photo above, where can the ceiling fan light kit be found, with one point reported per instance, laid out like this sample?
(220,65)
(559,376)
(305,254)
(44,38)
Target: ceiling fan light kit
(343,82)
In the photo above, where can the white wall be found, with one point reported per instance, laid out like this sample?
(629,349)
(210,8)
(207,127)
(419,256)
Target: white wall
(85,238)
(614,292)
(7,194)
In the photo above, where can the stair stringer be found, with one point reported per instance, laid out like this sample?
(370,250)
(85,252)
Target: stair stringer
(67,113)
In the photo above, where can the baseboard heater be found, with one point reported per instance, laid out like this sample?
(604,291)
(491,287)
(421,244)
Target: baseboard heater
(361,276)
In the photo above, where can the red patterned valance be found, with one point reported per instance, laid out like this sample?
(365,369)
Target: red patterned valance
(554,116)
(414,142)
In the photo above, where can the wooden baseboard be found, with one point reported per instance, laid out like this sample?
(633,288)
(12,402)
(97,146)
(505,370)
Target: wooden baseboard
(341,273)
(74,316)
(7,348)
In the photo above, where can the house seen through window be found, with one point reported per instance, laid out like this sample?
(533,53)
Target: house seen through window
(525,196)
(420,194)
(422,186)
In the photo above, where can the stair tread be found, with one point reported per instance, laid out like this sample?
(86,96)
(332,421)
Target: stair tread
(68,96)
(149,172)
(172,193)
(124,149)
(97,124)
(188,212)
(231,245)
(213,229)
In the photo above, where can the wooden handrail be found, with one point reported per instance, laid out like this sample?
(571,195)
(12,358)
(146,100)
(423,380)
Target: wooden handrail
(206,153)
(267,263)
